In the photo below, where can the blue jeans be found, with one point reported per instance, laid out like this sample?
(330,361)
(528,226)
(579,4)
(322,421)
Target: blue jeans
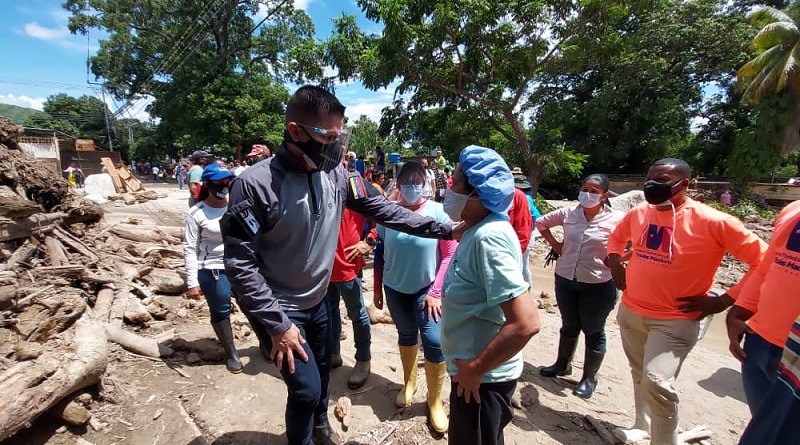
(181,181)
(307,401)
(585,307)
(412,322)
(217,290)
(759,369)
(350,291)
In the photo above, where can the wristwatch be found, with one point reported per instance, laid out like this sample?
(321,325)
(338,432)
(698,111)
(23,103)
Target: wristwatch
(371,241)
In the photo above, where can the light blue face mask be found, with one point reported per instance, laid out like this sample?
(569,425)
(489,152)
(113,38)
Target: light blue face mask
(411,193)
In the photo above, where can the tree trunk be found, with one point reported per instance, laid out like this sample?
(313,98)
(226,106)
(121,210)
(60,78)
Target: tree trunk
(521,141)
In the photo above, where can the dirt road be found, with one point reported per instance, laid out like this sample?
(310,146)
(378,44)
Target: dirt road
(147,402)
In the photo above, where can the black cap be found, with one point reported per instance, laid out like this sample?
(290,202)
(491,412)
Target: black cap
(200,154)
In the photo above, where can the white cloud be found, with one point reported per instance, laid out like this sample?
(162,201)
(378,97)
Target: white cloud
(23,101)
(263,9)
(37,31)
(371,109)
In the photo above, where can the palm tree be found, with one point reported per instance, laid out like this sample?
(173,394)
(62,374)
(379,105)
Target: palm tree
(776,67)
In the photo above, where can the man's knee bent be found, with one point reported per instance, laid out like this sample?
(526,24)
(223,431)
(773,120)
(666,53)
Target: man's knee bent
(662,398)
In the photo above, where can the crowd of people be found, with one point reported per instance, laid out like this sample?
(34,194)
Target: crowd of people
(287,238)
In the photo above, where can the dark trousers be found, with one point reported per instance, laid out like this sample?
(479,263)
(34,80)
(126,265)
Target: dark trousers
(481,424)
(307,401)
(585,307)
(759,369)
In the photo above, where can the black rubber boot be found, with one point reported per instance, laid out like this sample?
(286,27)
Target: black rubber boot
(563,364)
(588,383)
(225,336)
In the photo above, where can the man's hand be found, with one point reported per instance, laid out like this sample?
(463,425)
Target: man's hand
(735,322)
(468,381)
(285,345)
(194,293)
(433,306)
(357,251)
(377,297)
(617,271)
(558,247)
(459,229)
(705,304)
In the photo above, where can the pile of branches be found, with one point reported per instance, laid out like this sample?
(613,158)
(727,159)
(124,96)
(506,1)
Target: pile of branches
(69,285)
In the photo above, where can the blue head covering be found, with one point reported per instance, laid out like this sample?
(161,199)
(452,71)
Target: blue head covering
(489,174)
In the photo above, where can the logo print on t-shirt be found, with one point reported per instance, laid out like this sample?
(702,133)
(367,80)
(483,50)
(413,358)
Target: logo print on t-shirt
(793,243)
(659,237)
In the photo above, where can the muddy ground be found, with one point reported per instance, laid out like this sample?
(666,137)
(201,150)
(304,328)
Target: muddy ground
(144,401)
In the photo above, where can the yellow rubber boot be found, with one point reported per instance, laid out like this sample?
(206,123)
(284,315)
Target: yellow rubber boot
(434,374)
(408,356)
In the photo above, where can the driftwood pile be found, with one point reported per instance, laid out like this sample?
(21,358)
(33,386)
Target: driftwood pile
(68,287)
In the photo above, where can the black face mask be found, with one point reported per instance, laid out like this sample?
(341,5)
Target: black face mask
(219,191)
(658,193)
(325,156)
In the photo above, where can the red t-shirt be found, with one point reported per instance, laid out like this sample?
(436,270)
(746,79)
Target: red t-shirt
(349,234)
(520,217)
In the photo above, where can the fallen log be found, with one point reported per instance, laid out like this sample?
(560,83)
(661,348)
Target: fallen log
(76,244)
(137,344)
(22,254)
(102,305)
(30,388)
(55,251)
(26,227)
(144,234)
(14,206)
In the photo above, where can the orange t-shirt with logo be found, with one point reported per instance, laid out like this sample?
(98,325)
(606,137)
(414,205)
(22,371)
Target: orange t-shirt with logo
(676,255)
(773,290)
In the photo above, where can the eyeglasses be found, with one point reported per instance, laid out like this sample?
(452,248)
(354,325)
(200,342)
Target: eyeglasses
(327,135)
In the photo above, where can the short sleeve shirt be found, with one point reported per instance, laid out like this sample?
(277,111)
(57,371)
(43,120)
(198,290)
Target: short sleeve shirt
(485,272)
(195,174)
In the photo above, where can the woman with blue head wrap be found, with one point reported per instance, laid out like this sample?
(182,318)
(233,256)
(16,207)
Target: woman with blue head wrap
(485,299)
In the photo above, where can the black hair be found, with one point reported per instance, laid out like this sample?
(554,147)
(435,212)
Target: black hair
(410,168)
(679,165)
(311,102)
(602,180)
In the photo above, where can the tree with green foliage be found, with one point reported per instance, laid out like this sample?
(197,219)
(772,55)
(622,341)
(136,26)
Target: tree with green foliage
(80,117)
(216,75)
(775,70)
(364,136)
(625,90)
(464,53)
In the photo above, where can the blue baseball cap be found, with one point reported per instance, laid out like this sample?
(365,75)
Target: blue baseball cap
(215,172)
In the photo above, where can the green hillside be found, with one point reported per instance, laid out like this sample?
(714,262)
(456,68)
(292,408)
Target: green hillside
(15,113)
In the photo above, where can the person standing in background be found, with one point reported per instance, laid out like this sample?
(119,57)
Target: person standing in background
(200,159)
(585,291)
(203,252)
(380,160)
(525,187)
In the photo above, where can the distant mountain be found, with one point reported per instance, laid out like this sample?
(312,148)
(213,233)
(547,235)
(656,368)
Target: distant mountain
(17,114)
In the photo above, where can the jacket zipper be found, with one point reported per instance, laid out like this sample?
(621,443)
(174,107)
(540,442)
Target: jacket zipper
(315,207)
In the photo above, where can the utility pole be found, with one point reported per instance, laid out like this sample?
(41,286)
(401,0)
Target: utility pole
(108,121)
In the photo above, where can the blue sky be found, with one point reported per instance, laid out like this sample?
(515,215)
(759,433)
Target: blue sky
(41,58)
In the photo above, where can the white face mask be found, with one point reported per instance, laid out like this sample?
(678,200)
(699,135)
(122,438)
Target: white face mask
(453,204)
(589,200)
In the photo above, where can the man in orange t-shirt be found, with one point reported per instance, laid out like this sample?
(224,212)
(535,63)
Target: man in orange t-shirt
(677,245)
(770,301)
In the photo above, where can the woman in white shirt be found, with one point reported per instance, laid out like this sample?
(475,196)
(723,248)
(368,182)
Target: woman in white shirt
(584,289)
(203,252)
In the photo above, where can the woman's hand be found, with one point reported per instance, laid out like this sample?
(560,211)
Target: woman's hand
(194,293)
(433,306)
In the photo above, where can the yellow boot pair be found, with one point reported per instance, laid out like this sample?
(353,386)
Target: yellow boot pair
(434,375)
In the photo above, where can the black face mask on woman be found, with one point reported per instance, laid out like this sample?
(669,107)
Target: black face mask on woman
(325,156)
(658,193)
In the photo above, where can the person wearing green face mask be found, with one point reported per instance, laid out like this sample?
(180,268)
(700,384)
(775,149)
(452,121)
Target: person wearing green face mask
(412,270)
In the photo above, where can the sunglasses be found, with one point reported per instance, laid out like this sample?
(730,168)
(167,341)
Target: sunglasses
(328,135)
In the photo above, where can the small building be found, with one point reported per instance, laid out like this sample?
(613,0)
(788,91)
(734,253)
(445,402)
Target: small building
(58,150)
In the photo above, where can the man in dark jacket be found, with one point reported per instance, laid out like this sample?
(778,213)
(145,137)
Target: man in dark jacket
(280,235)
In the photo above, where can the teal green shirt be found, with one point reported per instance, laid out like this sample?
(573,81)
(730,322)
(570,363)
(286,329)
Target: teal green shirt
(485,272)
(410,262)
(195,174)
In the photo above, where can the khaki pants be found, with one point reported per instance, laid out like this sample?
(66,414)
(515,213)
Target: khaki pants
(656,350)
